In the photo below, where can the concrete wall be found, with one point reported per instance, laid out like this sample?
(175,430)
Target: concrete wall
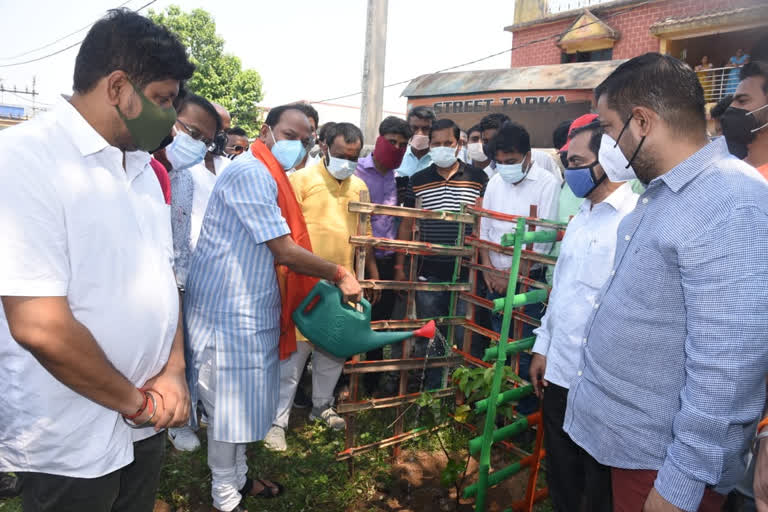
(633,27)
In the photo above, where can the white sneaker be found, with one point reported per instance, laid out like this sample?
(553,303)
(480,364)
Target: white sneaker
(329,417)
(184,439)
(275,439)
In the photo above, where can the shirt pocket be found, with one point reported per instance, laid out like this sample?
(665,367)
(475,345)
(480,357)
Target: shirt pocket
(646,279)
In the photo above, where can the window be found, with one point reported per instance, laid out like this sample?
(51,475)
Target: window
(595,55)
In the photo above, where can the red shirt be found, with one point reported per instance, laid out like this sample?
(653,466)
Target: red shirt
(162,177)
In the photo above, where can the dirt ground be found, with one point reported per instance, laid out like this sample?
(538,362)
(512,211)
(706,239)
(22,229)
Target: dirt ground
(416,487)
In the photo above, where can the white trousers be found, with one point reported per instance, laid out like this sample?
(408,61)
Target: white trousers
(227,461)
(326,370)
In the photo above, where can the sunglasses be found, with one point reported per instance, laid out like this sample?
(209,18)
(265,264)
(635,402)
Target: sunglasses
(237,148)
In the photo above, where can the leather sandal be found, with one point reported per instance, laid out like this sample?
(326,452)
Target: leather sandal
(267,492)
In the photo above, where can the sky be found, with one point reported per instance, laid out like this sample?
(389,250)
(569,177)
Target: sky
(304,49)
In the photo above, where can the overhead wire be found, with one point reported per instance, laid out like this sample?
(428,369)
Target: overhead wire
(63,49)
(24,54)
(508,50)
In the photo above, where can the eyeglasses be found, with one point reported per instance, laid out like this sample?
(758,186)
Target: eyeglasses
(195,134)
(237,148)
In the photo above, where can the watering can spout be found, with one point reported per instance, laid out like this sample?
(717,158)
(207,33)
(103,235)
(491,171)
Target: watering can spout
(341,329)
(426,331)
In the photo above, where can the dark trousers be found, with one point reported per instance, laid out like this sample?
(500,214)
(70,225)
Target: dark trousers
(129,489)
(576,481)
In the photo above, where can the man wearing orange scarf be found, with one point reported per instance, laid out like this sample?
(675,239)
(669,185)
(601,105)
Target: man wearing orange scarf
(236,313)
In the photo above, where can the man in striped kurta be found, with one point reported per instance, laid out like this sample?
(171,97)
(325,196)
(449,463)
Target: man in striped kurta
(232,307)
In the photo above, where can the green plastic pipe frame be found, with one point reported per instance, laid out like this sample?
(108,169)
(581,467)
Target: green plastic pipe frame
(508,396)
(490,418)
(513,348)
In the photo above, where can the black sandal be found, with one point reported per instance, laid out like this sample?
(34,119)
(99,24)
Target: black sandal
(267,492)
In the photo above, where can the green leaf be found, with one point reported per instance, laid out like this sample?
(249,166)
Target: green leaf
(218,76)
(462,413)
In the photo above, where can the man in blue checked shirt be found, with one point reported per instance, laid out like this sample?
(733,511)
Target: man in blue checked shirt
(671,380)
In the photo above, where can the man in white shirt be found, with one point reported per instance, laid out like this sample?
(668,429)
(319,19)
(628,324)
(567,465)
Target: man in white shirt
(90,334)
(518,184)
(489,127)
(584,264)
(197,123)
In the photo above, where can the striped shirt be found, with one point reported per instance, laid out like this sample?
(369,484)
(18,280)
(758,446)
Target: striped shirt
(436,193)
(674,355)
(233,302)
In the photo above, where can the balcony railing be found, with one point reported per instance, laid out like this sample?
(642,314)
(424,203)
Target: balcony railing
(718,82)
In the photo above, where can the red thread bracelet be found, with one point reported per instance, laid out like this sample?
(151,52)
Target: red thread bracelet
(141,409)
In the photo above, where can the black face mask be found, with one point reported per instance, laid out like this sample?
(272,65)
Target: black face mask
(167,140)
(740,128)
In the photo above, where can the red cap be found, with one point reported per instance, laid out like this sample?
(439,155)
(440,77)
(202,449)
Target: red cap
(578,123)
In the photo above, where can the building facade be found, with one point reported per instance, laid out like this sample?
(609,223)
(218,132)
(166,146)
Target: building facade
(562,49)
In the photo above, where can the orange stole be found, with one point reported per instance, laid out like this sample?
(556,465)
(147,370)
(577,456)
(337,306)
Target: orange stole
(293,287)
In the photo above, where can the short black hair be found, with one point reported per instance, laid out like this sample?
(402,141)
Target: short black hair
(594,140)
(560,135)
(661,83)
(392,124)
(717,111)
(237,132)
(445,124)
(310,112)
(423,113)
(323,131)
(755,68)
(350,132)
(512,137)
(493,121)
(475,128)
(276,113)
(194,99)
(124,40)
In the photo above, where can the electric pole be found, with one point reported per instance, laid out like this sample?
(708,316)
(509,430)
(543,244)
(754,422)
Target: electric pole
(372,102)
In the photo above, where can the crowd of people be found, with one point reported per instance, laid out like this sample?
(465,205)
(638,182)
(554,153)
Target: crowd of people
(153,256)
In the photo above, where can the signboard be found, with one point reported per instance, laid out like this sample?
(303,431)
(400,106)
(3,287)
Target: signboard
(539,111)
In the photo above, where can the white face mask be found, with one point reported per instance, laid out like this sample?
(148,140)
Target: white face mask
(613,161)
(475,152)
(443,156)
(513,173)
(340,168)
(184,151)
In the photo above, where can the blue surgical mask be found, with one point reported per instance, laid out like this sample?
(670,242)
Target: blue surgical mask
(582,180)
(184,151)
(513,173)
(340,168)
(287,152)
(443,156)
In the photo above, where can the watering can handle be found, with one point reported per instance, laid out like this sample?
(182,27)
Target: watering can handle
(319,288)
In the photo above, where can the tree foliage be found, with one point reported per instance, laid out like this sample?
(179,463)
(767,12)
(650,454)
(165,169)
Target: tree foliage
(219,76)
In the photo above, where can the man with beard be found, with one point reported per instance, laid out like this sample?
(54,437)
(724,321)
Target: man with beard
(671,379)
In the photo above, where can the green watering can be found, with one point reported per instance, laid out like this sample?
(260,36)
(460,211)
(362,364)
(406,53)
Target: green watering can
(342,330)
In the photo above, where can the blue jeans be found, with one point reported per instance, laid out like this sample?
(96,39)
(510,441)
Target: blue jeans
(529,404)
